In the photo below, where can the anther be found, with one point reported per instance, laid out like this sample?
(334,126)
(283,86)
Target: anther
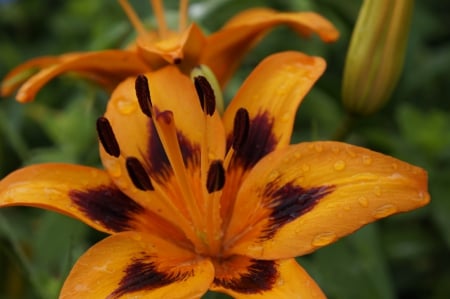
(107,137)
(240,129)
(143,95)
(216,177)
(138,175)
(205,94)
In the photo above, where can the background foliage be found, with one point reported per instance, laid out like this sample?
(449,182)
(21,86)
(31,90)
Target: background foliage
(405,256)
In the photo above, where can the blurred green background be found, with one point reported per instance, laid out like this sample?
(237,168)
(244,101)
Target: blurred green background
(404,256)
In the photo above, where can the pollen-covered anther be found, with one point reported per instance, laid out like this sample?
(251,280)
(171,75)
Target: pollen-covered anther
(143,95)
(138,174)
(205,94)
(240,128)
(216,177)
(107,137)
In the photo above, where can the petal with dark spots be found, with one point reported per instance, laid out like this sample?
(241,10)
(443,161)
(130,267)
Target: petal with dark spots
(245,278)
(289,202)
(347,187)
(143,275)
(108,206)
(138,265)
(260,141)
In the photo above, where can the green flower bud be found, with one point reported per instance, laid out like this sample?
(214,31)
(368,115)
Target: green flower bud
(376,54)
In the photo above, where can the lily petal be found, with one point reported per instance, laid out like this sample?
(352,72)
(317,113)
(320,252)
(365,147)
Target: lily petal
(132,265)
(85,193)
(241,33)
(273,91)
(318,192)
(107,67)
(245,278)
(182,49)
(271,95)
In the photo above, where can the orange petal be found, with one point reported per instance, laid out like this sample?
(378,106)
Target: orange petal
(271,95)
(138,137)
(226,48)
(245,278)
(135,265)
(184,49)
(23,72)
(106,67)
(81,192)
(309,195)
(274,90)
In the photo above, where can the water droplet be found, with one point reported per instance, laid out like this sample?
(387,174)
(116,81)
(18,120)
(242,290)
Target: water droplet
(323,239)
(318,147)
(126,106)
(136,237)
(297,155)
(384,211)
(339,165)
(335,149)
(394,166)
(286,117)
(367,160)
(377,190)
(363,201)
(273,175)
(113,166)
(305,167)
(420,197)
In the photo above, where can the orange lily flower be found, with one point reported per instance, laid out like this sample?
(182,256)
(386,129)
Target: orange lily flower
(195,201)
(221,51)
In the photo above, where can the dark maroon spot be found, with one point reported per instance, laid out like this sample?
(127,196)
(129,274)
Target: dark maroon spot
(259,277)
(107,205)
(107,137)
(216,177)
(177,60)
(259,142)
(157,161)
(143,95)
(138,174)
(240,129)
(290,202)
(143,275)
(205,94)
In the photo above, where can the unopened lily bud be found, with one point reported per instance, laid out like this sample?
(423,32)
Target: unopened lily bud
(376,54)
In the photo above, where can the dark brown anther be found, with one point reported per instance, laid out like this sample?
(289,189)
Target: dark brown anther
(143,95)
(216,177)
(205,94)
(241,128)
(138,175)
(107,137)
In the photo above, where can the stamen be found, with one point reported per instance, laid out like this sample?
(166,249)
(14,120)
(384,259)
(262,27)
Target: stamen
(134,19)
(216,177)
(143,95)
(158,10)
(240,129)
(138,175)
(183,15)
(107,137)
(205,94)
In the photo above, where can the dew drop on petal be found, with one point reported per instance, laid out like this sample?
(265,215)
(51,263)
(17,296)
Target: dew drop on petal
(394,166)
(339,165)
(126,106)
(273,175)
(323,239)
(363,201)
(113,166)
(384,211)
(305,167)
(367,160)
(318,148)
(377,190)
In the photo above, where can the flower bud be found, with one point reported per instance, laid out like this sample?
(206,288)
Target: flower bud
(376,54)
